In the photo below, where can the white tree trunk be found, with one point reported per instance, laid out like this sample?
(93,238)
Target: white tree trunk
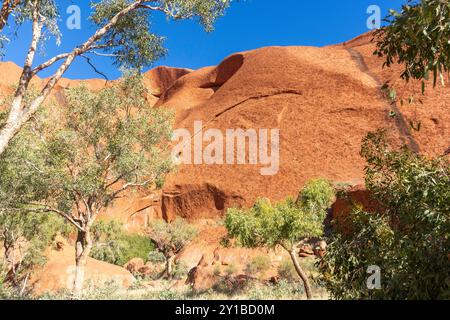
(82,251)
(301,273)
(19,114)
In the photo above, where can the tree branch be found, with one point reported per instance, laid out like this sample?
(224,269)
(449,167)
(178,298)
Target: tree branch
(49,62)
(46,208)
(7,7)
(130,185)
(88,60)
(19,115)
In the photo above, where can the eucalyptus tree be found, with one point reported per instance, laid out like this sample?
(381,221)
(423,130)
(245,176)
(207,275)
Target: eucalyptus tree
(169,238)
(407,237)
(418,37)
(76,160)
(287,224)
(123,33)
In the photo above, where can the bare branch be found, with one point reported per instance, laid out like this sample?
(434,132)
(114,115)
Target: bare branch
(105,54)
(88,60)
(49,62)
(61,56)
(130,185)
(45,208)
(168,11)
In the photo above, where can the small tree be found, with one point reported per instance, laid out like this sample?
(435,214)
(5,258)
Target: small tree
(170,238)
(88,154)
(286,224)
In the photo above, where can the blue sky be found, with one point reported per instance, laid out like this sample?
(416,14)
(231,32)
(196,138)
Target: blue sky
(248,24)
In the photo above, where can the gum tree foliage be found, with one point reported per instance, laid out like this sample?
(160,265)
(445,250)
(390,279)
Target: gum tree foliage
(76,160)
(408,237)
(124,33)
(169,239)
(24,234)
(419,38)
(14,13)
(287,224)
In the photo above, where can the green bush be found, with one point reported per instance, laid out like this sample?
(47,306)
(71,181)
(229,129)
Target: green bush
(287,224)
(287,271)
(408,238)
(258,265)
(138,246)
(114,246)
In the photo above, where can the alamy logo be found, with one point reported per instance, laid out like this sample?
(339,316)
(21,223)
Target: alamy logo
(234,146)
(374,20)
(74,20)
(374,280)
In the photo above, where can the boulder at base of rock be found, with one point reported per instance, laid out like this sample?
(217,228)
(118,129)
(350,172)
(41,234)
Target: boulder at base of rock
(355,196)
(134,265)
(211,264)
(59,272)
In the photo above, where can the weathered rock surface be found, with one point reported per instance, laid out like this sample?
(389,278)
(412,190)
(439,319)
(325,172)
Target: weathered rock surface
(323,101)
(59,272)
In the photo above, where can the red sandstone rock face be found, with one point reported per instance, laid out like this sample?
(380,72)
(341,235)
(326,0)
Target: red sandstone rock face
(197,200)
(323,100)
(160,79)
(355,196)
(59,272)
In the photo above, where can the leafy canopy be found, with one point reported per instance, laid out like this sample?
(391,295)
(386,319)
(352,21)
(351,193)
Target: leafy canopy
(131,40)
(408,238)
(22,11)
(418,37)
(171,237)
(79,158)
(286,223)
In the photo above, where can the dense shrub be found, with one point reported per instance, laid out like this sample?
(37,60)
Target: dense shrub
(258,265)
(114,246)
(409,239)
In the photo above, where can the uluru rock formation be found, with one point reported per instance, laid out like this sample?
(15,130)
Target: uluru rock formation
(322,100)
